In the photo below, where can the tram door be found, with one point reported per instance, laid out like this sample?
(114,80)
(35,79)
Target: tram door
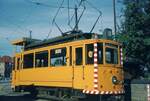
(17,68)
(78,69)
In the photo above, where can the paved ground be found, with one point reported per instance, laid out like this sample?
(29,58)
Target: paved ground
(6,94)
(20,98)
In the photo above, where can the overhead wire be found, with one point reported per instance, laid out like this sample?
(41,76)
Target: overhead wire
(68,7)
(59,7)
(79,4)
(95,24)
(80,17)
(89,3)
(19,28)
(100,14)
(58,11)
(46,5)
(53,20)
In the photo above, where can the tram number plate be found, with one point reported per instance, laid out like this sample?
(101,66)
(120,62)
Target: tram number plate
(57,51)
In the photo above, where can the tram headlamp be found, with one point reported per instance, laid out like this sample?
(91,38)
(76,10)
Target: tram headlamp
(114,80)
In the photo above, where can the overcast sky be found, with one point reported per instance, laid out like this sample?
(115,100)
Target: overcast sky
(17,17)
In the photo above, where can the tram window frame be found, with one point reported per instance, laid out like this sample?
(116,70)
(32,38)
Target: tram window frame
(78,56)
(14,63)
(99,57)
(42,56)
(29,56)
(58,55)
(112,56)
(89,54)
(18,63)
(111,45)
(70,58)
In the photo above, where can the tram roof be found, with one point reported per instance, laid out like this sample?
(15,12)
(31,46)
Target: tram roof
(59,39)
(24,40)
(29,43)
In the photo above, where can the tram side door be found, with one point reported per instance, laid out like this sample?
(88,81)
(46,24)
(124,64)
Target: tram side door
(17,68)
(78,69)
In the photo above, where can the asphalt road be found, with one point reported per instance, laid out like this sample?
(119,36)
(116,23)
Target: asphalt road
(6,94)
(20,98)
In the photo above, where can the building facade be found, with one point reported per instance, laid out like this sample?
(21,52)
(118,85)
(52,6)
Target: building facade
(5,67)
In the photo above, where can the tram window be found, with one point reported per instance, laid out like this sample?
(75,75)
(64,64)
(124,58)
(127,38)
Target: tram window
(70,55)
(100,53)
(79,57)
(111,45)
(41,59)
(14,64)
(111,56)
(28,61)
(89,54)
(58,57)
(18,63)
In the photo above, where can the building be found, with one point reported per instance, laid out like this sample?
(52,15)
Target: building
(5,66)
(2,70)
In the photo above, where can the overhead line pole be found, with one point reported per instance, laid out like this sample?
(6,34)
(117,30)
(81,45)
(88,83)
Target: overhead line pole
(114,13)
(30,32)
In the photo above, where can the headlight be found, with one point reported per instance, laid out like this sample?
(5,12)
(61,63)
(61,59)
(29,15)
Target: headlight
(114,80)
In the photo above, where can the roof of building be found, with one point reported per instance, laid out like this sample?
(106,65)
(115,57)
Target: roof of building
(6,59)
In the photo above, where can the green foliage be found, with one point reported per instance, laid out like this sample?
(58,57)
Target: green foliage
(135,33)
(135,36)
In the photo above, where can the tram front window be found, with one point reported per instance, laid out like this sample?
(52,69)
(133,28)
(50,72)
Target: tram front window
(111,56)
(100,53)
(90,53)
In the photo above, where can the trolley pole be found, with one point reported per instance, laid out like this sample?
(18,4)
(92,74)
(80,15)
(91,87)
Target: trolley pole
(76,18)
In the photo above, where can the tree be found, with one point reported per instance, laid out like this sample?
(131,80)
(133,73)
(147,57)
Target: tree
(135,34)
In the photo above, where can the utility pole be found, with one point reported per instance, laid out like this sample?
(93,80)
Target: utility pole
(30,34)
(114,12)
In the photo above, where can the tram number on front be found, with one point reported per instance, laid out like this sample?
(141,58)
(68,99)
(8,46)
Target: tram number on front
(57,51)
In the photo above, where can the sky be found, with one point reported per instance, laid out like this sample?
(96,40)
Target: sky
(18,17)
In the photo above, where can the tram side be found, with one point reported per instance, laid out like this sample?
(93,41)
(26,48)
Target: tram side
(71,66)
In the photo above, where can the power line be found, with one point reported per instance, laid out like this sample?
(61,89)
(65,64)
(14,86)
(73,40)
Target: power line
(53,21)
(100,14)
(95,23)
(14,24)
(78,20)
(89,3)
(79,4)
(46,5)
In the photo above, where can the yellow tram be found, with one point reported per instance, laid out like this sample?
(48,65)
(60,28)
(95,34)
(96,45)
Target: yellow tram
(78,62)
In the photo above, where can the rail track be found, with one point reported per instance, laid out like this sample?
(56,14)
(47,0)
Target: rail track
(6,94)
